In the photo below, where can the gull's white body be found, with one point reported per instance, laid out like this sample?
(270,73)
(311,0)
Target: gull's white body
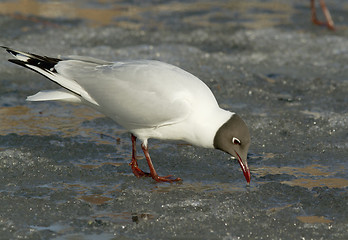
(151,99)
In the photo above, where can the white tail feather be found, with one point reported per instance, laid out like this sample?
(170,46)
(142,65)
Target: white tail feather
(54,95)
(66,83)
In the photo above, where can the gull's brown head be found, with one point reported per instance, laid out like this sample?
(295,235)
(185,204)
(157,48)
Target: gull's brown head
(233,137)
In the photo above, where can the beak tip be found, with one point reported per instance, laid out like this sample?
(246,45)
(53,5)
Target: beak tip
(247,176)
(245,169)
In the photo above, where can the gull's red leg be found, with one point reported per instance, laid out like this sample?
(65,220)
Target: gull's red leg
(134,163)
(153,173)
(329,22)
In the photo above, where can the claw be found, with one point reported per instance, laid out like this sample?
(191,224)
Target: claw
(166,179)
(137,171)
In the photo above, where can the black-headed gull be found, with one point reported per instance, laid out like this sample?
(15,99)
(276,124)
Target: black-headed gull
(150,99)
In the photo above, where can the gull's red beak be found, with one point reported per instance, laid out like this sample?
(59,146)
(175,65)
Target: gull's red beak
(245,168)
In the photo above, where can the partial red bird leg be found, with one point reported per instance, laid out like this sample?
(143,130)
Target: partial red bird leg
(134,164)
(329,22)
(153,173)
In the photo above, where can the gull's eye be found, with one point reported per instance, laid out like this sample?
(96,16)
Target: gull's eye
(236,141)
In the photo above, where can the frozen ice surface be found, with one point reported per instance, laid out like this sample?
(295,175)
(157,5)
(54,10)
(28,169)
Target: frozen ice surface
(64,168)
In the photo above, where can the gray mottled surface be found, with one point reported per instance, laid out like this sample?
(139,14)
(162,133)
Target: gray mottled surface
(64,168)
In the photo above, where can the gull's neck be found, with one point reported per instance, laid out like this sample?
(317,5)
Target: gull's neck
(205,130)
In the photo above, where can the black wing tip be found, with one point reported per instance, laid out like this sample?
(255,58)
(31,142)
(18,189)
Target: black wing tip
(43,62)
(31,55)
(14,53)
(10,50)
(18,62)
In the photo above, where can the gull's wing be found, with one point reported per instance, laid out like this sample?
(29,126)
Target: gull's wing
(137,94)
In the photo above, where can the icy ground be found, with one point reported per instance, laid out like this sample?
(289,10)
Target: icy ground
(64,168)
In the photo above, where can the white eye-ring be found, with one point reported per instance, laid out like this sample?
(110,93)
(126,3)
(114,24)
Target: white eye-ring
(236,141)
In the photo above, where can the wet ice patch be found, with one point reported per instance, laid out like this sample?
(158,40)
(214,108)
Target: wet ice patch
(338,121)
(10,158)
(57,228)
(84,236)
(185,204)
